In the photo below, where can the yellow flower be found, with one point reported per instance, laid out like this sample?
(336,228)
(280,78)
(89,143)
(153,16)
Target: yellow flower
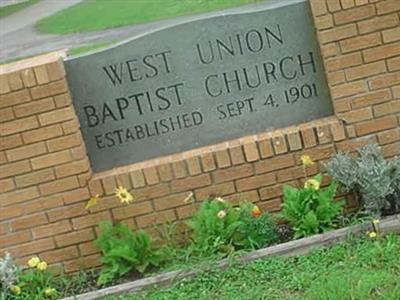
(41,266)
(376,221)
(221,214)
(219,199)
(306,160)
(92,202)
(50,292)
(312,184)
(33,262)
(123,195)
(15,289)
(372,235)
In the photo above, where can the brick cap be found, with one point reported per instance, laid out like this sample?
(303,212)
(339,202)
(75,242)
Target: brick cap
(178,157)
(32,61)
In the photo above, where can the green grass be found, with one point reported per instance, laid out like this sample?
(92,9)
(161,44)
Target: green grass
(87,48)
(10,9)
(91,15)
(355,270)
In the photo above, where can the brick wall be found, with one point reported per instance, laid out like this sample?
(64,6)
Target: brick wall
(45,177)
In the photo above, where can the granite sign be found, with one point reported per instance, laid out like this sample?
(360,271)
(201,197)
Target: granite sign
(199,83)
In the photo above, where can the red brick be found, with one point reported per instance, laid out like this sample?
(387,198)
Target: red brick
(60,255)
(266,149)
(378,23)
(348,89)
(28,222)
(255,182)
(6,114)
(309,137)
(57,116)
(346,4)
(271,205)
(15,81)
(14,98)
(391,35)
(237,155)
(381,52)
(158,218)
(12,169)
(323,22)
(42,204)
(290,174)
(318,7)
(376,125)
(33,108)
(179,169)
(223,159)
(250,196)
(294,141)
(50,89)
(389,136)
(59,185)
(355,14)
(333,5)
(170,201)
(67,212)
(72,168)
(275,163)
(279,144)
(215,190)
(34,247)
(353,144)
(152,192)
(139,208)
(366,70)
(275,191)
(28,77)
(329,50)
(26,151)
(385,81)
(193,165)
(387,108)
(75,237)
(334,78)
(11,212)
(251,151)
(6,185)
(387,6)
(64,142)
(15,238)
(88,248)
(34,178)
(19,125)
(56,70)
(90,220)
(371,98)
(357,115)
(338,33)
(233,173)
(19,195)
(41,74)
(343,61)
(207,161)
(317,153)
(360,42)
(394,64)
(391,150)
(50,160)
(62,100)
(186,211)
(338,132)
(41,134)
(86,262)
(165,172)
(190,183)
(151,176)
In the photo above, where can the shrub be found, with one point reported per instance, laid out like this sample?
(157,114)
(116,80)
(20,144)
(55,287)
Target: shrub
(256,229)
(8,275)
(124,251)
(218,227)
(375,180)
(213,227)
(311,210)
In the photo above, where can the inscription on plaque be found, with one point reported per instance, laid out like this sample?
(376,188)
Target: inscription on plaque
(199,83)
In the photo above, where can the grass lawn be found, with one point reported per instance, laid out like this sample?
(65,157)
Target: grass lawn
(10,9)
(355,270)
(93,15)
(88,48)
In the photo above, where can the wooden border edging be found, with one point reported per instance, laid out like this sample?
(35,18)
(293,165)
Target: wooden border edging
(297,247)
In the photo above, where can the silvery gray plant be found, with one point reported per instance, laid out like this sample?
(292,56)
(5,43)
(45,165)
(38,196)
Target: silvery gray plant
(8,272)
(375,180)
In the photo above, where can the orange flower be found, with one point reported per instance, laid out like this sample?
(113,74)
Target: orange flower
(256,212)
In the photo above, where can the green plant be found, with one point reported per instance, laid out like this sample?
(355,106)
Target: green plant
(124,251)
(311,210)
(375,180)
(213,227)
(256,229)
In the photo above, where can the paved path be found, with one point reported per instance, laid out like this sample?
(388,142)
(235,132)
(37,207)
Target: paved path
(25,40)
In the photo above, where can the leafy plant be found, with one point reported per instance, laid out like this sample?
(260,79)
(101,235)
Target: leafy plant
(124,251)
(311,210)
(256,229)
(213,227)
(375,180)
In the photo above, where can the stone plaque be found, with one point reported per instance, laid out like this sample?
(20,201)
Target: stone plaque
(200,83)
